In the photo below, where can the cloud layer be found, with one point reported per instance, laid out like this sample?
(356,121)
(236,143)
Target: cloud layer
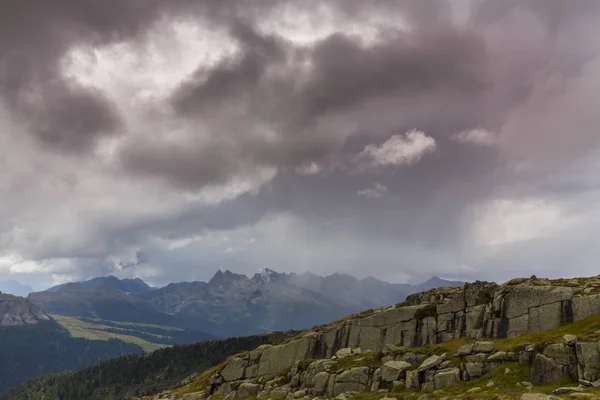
(166,139)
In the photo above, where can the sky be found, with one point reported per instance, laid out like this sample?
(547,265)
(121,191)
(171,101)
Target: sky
(166,139)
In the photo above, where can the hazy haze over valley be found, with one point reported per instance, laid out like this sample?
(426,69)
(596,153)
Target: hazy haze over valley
(396,139)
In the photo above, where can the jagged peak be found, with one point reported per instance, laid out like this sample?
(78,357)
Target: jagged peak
(267,275)
(221,277)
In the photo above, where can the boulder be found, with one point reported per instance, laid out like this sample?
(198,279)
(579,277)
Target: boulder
(484,347)
(356,374)
(398,386)
(430,363)
(481,357)
(474,370)
(341,353)
(194,396)
(588,357)
(428,387)
(567,390)
(546,370)
(320,382)
(412,379)
(234,369)
(570,340)
(281,391)
(446,377)
(465,350)
(502,356)
(538,396)
(393,370)
(247,389)
(345,387)
(376,381)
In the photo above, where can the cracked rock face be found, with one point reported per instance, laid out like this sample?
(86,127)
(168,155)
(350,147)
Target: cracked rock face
(478,310)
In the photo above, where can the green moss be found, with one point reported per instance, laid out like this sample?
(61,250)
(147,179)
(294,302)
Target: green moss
(367,359)
(429,310)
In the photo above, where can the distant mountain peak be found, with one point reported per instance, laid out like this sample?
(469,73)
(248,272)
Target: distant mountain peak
(267,275)
(221,277)
(436,281)
(127,285)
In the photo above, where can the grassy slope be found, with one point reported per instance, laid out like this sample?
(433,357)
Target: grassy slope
(95,331)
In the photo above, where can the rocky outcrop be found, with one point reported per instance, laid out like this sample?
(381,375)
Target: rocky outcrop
(16,311)
(368,372)
(344,351)
(477,310)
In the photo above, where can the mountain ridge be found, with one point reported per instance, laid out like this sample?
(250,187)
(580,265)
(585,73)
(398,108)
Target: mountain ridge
(229,304)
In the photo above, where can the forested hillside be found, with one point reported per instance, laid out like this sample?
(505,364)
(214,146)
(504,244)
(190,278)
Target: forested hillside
(46,347)
(138,375)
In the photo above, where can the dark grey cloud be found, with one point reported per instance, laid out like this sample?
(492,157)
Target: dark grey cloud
(217,157)
(34,35)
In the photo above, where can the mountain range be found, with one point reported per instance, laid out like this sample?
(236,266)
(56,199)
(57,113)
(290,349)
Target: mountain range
(229,304)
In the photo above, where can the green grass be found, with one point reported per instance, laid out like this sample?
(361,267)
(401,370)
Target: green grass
(587,330)
(367,359)
(137,324)
(95,331)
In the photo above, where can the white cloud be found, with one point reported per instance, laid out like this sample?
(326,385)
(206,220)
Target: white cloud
(404,149)
(478,136)
(309,169)
(511,221)
(374,192)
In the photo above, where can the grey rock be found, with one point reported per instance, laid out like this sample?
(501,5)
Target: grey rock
(247,389)
(412,380)
(465,350)
(546,370)
(194,396)
(446,377)
(484,347)
(538,396)
(394,370)
(474,390)
(481,357)
(320,383)
(398,386)
(567,390)
(345,387)
(428,387)
(588,357)
(430,362)
(474,370)
(341,353)
(356,374)
(376,380)
(570,340)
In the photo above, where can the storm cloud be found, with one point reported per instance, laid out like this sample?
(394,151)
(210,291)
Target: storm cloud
(167,139)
